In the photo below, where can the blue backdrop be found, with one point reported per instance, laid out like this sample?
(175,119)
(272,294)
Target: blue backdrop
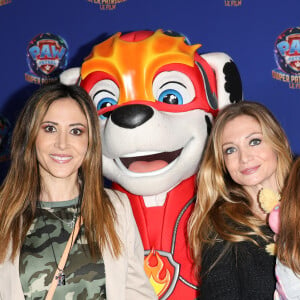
(244,29)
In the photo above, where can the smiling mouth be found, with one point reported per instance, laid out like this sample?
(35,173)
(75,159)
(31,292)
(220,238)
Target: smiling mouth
(250,171)
(61,159)
(149,163)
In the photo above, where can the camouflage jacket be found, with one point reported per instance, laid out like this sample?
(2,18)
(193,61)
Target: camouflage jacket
(125,276)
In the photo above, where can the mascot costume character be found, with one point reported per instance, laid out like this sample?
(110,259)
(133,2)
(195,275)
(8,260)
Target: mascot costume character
(156,98)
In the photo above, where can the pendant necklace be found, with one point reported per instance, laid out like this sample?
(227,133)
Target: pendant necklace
(60,277)
(71,224)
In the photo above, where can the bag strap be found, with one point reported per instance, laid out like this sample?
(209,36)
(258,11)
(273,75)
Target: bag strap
(64,258)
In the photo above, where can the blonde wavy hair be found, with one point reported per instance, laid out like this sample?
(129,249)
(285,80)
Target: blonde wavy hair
(222,209)
(21,188)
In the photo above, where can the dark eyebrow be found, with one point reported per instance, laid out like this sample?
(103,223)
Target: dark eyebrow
(77,124)
(104,90)
(50,122)
(177,82)
(70,125)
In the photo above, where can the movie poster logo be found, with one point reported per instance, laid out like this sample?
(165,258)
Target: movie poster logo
(107,4)
(233,2)
(4,2)
(47,57)
(287,57)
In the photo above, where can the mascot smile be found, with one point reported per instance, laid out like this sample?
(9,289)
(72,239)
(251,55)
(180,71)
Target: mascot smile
(156,99)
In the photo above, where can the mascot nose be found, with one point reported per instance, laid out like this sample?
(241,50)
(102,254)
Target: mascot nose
(131,116)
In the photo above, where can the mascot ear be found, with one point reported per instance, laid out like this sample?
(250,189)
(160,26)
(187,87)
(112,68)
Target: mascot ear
(70,76)
(229,84)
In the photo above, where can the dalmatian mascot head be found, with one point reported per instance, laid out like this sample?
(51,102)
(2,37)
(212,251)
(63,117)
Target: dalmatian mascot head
(156,98)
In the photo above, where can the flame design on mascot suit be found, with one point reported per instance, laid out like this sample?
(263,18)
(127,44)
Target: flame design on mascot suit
(156,97)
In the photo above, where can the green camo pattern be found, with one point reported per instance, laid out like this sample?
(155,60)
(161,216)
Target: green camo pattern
(84,277)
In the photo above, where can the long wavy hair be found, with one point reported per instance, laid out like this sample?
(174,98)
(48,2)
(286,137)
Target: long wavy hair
(223,207)
(288,240)
(22,186)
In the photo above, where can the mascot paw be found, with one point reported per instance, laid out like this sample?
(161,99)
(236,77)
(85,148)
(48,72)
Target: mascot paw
(268,199)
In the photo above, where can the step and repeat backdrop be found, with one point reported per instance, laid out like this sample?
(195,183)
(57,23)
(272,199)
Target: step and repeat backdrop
(40,39)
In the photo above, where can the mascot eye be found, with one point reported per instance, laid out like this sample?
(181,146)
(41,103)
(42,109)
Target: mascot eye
(171,97)
(173,87)
(105,102)
(105,93)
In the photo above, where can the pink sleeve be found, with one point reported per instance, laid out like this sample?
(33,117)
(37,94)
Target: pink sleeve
(274,219)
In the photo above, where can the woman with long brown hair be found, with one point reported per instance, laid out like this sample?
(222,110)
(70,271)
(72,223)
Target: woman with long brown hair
(246,151)
(60,229)
(288,238)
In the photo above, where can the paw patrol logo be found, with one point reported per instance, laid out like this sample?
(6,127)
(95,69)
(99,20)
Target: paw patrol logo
(233,2)
(107,4)
(47,56)
(287,57)
(4,2)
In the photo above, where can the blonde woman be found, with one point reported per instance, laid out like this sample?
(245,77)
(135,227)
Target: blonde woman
(246,151)
(55,187)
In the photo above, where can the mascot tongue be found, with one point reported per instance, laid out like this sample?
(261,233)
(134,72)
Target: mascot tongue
(147,166)
(149,163)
